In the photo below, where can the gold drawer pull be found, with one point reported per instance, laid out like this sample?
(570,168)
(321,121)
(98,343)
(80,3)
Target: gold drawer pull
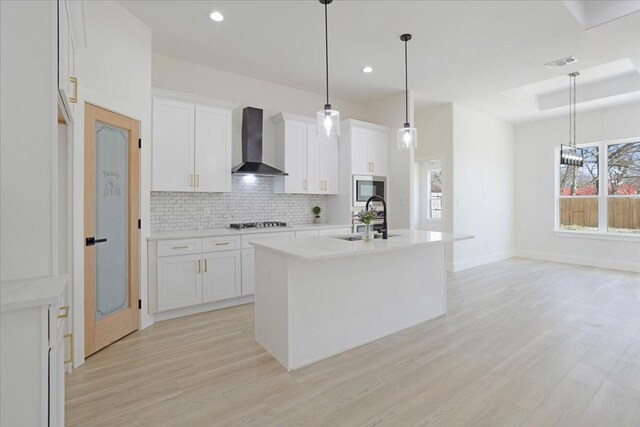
(197,180)
(199,267)
(64,312)
(222,243)
(74,98)
(180,247)
(70,359)
(205,265)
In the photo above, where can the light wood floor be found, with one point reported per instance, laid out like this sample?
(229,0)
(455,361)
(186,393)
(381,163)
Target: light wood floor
(524,343)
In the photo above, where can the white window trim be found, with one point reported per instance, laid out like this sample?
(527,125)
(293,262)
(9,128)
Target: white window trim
(603,220)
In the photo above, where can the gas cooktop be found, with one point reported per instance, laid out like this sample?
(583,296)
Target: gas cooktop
(263,224)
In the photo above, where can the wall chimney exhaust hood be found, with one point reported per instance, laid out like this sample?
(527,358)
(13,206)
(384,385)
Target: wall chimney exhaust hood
(252,146)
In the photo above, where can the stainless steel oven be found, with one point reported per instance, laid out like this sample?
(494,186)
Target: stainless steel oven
(366,186)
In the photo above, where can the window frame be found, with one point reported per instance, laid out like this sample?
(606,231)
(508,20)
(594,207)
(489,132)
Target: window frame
(602,197)
(429,197)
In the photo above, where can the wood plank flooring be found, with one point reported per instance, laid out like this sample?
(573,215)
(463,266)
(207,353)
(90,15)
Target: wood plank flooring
(524,343)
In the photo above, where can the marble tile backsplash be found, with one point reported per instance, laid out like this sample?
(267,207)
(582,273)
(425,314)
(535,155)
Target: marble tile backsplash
(247,202)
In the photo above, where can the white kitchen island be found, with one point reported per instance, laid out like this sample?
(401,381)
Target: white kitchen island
(319,296)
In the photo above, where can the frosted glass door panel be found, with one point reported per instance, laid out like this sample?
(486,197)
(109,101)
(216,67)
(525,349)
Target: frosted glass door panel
(112,183)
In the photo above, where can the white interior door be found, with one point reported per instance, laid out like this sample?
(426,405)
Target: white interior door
(173,146)
(212,149)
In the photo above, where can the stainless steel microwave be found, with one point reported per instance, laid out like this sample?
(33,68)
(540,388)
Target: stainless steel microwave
(366,186)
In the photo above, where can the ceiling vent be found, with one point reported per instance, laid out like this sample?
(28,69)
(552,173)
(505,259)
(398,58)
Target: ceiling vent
(561,62)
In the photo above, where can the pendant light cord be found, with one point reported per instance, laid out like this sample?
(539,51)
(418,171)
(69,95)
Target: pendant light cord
(574,111)
(326,50)
(406,84)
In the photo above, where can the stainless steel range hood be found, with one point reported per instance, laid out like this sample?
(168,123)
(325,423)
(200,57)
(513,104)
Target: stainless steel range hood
(252,146)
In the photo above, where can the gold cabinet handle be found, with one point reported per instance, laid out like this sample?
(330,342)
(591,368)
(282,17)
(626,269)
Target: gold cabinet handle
(197,180)
(70,359)
(64,312)
(373,167)
(304,184)
(74,98)
(180,247)
(199,269)
(205,265)
(222,243)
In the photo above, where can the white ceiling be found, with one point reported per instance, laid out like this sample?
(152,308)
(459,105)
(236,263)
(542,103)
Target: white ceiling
(465,52)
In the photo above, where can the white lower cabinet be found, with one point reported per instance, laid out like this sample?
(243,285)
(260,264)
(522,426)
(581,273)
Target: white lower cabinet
(248,271)
(192,271)
(179,281)
(221,275)
(33,340)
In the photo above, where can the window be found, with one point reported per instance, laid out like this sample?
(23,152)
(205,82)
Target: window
(584,205)
(623,184)
(429,181)
(434,186)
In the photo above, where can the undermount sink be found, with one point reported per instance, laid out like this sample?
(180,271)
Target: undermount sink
(357,237)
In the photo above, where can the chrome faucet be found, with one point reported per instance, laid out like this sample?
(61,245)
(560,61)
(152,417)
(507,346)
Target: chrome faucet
(384,218)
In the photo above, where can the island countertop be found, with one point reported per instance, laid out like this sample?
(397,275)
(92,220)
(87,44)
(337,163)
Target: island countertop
(325,247)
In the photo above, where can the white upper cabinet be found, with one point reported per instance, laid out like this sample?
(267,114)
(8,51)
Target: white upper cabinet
(191,148)
(213,149)
(369,144)
(311,161)
(329,160)
(173,145)
(71,35)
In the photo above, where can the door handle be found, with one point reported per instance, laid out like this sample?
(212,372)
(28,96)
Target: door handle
(90,241)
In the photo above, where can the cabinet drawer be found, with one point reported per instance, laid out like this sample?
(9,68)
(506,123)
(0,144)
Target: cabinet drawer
(214,244)
(249,237)
(306,233)
(179,247)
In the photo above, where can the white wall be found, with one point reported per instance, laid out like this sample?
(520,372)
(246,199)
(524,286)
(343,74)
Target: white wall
(535,204)
(114,72)
(400,183)
(435,141)
(483,187)
(28,137)
(187,77)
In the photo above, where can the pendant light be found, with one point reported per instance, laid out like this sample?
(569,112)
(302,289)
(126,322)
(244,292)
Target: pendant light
(328,119)
(569,154)
(407,136)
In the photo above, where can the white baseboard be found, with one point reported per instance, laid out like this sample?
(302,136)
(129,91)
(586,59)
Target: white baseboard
(478,261)
(570,259)
(202,308)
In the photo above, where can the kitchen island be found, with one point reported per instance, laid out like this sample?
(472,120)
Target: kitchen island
(319,296)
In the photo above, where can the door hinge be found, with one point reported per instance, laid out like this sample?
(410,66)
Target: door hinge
(139,142)
(139,304)
(139,224)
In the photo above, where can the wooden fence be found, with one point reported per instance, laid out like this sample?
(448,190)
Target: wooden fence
(583,212)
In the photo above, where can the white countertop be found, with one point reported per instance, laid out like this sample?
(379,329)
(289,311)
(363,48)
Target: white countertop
(25,293)
(325,247)
(194,234)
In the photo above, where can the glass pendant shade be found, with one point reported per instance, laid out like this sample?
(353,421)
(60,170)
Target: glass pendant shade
(407,138)
(328,122)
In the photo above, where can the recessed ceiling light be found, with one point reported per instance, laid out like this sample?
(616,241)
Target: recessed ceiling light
(367,69)
(216,16)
